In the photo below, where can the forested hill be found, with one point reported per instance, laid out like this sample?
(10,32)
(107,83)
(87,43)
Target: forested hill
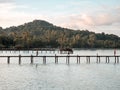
(40,33)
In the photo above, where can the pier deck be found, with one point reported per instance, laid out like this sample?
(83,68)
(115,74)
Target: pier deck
(67,57)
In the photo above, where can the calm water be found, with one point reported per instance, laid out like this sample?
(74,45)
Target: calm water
(59,76)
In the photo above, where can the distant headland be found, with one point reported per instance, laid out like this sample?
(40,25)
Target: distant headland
(42,34)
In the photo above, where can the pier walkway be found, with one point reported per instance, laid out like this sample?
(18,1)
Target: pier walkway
(67,58)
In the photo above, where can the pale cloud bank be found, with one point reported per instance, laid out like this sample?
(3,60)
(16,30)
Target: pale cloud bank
(83,20)
(5,1)
(106,21)
(10,16)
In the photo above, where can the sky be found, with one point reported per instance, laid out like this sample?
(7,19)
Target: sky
(93,15)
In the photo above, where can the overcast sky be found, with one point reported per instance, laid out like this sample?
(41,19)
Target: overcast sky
(93,15)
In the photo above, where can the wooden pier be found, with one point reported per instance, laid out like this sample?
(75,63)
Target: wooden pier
(50,50)
(78,58)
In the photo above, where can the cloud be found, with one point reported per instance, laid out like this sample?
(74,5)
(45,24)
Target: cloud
(90,16)
(15,19)
(85,20)
(12,14)
(6,1)
(7,7)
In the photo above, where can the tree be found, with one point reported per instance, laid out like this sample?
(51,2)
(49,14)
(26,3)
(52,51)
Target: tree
(92,40)
(62,40)
(26,38)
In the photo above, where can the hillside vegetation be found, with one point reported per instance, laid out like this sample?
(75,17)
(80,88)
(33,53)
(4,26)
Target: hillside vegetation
(42,34)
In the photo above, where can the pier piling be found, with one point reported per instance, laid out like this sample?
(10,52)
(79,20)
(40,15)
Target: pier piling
(117,59)
(19,59)
(88,59)
(78,59)
(56,59)
(31,59)
(44,59)
(67,59)
(8,60)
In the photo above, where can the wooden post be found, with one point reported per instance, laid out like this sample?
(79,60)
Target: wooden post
(56,59)
(19,59)
(44,59)
(67,60)
(98,59)
(117,59)
(106,59)
(37,52)
(8,60)
(77,59)
(89,59)
(31,59)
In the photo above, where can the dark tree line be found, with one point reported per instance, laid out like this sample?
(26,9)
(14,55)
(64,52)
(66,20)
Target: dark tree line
(39,34)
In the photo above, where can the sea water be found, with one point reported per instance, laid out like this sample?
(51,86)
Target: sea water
(61,76)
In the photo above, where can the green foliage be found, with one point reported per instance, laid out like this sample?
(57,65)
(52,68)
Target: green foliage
(39,34)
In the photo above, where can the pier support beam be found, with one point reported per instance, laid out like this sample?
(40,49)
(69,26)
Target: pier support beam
(8,60)
(67,59)
(88,59)
(44,59)
(19,59)
(107,59)
(78,59)
(31,59)
(56,59)
(116,59)
(98,59)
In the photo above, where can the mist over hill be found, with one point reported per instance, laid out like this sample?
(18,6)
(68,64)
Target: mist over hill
(40,33)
